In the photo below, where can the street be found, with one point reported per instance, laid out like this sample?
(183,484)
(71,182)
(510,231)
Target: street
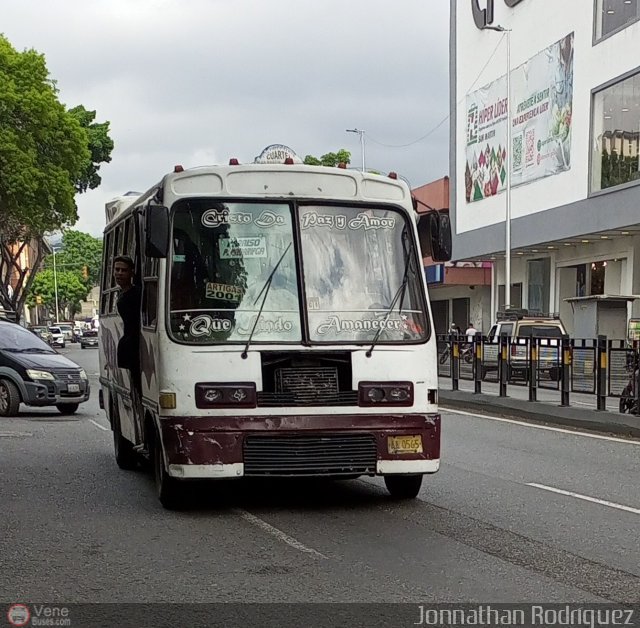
(517,513)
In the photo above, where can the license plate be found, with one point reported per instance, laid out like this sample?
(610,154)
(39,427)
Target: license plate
(404,444)
(73,388)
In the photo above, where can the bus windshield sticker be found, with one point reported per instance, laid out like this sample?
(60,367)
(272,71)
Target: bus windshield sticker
(217,217)
(239,248)
(224,292)
(364,220)
(269,219)
(265,325)
(344,325)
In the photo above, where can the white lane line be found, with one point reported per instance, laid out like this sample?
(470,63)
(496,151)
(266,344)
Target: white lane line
(602,502)
(101,427)
(278,534)
(543,427)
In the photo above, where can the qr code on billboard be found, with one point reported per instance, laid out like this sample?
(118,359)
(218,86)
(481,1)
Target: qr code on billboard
(517,152)
(530,144)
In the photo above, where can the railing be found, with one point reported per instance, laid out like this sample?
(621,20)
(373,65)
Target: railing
(593,366)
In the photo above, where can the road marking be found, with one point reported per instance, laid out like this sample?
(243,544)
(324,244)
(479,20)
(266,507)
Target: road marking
(101,427)
(544,427)
(15,434)
(278,534)
(586,498)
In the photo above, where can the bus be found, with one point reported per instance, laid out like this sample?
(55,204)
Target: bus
(285,327)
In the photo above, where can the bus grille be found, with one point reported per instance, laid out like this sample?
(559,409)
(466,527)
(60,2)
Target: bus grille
(307,455)
(307,386)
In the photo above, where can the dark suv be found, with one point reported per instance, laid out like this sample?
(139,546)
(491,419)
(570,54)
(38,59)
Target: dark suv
(31,372)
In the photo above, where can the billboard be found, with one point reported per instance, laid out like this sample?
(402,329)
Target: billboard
(541,107)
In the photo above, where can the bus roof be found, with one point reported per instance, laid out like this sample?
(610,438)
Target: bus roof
(285,181)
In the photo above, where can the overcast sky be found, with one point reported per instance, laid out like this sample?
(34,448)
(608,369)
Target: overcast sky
(195,82)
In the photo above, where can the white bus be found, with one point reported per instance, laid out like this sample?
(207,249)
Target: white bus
(286,327)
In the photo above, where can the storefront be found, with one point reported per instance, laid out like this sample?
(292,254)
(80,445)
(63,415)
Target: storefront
(570,114)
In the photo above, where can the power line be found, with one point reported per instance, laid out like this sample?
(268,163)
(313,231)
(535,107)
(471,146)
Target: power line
(435,128)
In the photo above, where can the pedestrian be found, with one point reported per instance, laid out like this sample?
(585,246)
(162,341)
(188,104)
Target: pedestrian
(129,309)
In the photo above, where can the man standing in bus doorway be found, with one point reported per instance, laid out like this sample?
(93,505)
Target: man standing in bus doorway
(129,310)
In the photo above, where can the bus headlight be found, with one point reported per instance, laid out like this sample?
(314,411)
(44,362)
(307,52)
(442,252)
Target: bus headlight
(227,395)
(385,394)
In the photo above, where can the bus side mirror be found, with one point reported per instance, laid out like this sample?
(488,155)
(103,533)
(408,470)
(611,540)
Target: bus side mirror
(434,232)
(157,231)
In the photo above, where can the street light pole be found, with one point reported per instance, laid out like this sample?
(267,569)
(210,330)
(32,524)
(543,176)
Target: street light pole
(507,222)
(55,283)
(360,132)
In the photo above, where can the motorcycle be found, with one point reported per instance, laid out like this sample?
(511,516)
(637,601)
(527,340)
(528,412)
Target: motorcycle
(628,398)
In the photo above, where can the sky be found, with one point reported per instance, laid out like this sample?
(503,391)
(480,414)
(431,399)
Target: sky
(196,82)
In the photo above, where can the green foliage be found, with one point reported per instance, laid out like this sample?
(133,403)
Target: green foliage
(100,147)
(43,148)
(330,159)
(78,250)
(617,169)
(71,290)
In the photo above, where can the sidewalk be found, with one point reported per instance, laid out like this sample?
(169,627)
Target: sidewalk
(581,414)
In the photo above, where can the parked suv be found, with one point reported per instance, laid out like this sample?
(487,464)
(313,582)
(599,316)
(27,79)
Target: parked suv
(519,325)
(31,372)
(57,337)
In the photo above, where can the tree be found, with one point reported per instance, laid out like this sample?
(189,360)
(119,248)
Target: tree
(100,147)
(80,249)
(330,159)
(71,291)
(47,154)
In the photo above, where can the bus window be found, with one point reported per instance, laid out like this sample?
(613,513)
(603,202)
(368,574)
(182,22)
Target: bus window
(222,256)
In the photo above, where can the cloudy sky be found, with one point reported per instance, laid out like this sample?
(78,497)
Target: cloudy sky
(196,82)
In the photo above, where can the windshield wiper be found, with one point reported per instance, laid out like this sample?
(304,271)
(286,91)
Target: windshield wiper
(265,289)
(398,295)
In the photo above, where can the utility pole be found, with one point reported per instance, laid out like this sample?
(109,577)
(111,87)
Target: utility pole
(360,132)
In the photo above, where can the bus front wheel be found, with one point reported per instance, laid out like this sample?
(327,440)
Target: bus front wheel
(403,486)
(169,490)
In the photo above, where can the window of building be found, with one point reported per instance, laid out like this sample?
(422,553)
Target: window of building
(616,134)
(516,296)
(598,270)
(539,284)
(614,15)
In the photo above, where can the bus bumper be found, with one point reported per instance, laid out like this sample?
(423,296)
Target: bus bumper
(302,446)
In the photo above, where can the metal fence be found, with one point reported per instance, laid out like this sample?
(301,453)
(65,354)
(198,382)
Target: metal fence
(596,366)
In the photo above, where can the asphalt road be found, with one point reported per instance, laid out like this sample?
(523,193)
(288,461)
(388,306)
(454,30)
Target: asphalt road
(491,526)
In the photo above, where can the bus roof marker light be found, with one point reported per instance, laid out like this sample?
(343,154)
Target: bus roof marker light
(288,161)
(342,165)
(178,168)
(393,175)
(234,162)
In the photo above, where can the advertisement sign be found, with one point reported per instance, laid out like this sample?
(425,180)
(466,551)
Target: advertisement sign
(541,107)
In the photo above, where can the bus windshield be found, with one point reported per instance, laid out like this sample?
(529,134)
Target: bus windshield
(357,263)
(223,253)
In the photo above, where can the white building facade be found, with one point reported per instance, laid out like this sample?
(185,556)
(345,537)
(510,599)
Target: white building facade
(567,127)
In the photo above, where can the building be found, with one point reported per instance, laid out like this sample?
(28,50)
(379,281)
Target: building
(574,112)
(460,292)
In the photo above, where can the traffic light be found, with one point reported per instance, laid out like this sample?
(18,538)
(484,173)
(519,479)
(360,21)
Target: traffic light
(85,272)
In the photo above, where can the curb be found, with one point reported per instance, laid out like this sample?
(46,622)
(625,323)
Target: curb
(547,414)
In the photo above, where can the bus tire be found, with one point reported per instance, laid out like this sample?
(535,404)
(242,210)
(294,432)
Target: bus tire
(403,486)
(9,398)
(170,491)
(126,457)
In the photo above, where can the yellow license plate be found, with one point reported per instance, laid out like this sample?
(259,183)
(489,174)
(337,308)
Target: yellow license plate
(404,444)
